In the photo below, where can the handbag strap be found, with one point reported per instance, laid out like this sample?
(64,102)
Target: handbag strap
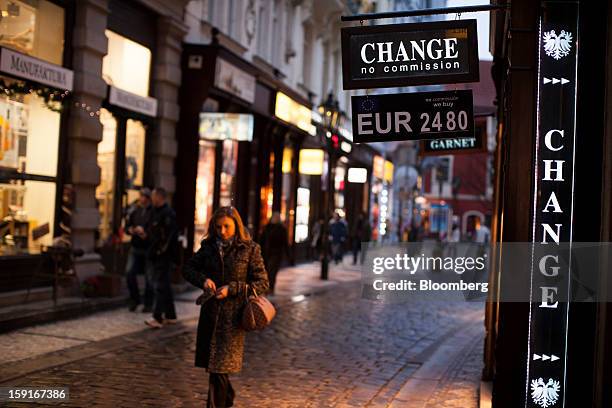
(246,291)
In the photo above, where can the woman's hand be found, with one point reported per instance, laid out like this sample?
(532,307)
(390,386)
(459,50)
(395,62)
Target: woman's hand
(222,292)
(208,283)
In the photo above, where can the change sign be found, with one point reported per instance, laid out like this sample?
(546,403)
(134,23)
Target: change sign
(409,54)
(412,116)
(553,205)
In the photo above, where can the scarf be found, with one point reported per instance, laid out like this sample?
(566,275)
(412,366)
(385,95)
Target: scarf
(224,244)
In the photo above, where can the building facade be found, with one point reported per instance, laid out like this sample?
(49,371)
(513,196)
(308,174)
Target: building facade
(219,102)
(72,163)
(277,64)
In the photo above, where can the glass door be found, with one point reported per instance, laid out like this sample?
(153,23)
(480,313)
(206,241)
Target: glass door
(135,135)
(105,192)
(121,158)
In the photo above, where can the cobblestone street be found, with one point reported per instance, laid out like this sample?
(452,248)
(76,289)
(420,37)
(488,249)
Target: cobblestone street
(330,349)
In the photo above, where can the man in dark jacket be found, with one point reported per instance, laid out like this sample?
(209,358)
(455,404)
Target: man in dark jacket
(338,232)
(273,246)
(361,233)
(162,234)
(137,220)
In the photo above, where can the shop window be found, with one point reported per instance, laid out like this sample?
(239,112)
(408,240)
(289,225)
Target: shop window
(133,174)
(205,186)
(442,170)
(34,28)
(339,176)
(302,214)
(127,64)
(267,195)
(106,162)
(287,192)
(29,144)
(135,137)
(228,173)
(134,157)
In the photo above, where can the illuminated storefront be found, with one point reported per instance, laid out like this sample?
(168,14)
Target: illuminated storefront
(381,198)
(31,136)
(75,146)
(293,193)
(248,137)
(220,134)
(311,164)
(127,115)
(121,153)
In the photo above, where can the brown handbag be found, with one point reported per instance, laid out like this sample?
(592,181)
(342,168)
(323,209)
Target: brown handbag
(258,312)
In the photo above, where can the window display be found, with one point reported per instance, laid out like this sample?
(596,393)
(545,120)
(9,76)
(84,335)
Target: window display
(135,138)
(267,196)
(287,193)
(228,173)
(127,64)
(134,157)
(205,187)
(302,214)
(34,28)
(29,142)
(339,176)
(106,162)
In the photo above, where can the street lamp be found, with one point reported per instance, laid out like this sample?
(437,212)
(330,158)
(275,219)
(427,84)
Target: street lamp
(330,111)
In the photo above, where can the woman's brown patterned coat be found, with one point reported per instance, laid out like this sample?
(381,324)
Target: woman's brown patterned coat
(220,341)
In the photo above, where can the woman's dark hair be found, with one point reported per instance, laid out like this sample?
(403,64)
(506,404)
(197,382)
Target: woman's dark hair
(241,233)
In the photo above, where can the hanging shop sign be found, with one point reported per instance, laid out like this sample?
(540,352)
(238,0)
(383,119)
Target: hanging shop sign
(233,80)
(412,116)
(130,101)
(294,112)
(378,167)
(357,175)
(311,162)
(409,54)
(33,69)
(552,205)
(226,126)
(457,145)
(388,175)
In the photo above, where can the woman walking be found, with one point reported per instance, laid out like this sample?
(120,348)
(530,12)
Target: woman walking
(227,263)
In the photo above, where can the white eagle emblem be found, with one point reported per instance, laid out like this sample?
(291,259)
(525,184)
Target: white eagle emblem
(557,46)
(545,395)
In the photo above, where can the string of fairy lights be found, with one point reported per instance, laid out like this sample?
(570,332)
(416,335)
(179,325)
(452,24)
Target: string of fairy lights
(54,99)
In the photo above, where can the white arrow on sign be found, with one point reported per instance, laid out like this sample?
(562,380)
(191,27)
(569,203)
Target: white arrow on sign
(555,81)
(545,357)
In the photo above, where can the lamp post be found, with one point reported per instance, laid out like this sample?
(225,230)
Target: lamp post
(329,110)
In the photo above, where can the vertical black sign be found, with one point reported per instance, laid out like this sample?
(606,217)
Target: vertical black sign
(552,204)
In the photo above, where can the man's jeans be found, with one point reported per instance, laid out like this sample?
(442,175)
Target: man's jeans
(164,300)
(137,264)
